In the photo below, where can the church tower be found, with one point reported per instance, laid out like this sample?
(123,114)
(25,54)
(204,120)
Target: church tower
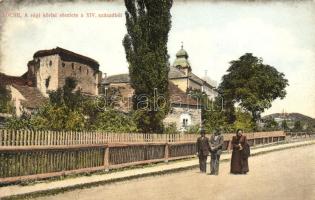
(181,62)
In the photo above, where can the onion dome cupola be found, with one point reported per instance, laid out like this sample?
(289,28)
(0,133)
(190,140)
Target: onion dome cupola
(181,62)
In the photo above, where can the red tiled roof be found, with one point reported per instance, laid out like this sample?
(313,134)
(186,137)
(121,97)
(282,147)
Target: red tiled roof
(9,80)
(177,96)
(33,97)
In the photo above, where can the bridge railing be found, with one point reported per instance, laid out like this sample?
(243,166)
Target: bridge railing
(29,162)
(300,134)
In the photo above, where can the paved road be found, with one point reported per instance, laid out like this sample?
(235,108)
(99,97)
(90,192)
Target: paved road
(287,174)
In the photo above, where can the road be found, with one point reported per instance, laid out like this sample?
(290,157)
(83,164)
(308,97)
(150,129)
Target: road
(287,174)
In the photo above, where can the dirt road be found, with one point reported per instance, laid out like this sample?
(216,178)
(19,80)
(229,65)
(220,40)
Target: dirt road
(287,174)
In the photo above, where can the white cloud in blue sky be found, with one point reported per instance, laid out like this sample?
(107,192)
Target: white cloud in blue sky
(213,34)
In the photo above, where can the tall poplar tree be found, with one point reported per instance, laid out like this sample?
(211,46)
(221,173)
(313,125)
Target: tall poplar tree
(148,23)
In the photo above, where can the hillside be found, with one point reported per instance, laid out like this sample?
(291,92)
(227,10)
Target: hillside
(292,117)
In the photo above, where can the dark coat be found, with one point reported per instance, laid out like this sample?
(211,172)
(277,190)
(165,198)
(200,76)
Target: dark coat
(216,144)
(203,147)
(239,163)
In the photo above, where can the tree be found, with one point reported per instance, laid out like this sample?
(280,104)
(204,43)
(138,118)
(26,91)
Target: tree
(71,111)
(243,120)
(252,85)
(213,117)
(5,100)
(298,126)
(148,23)
(284,125)
(271,124)
(211,111)
(114,121)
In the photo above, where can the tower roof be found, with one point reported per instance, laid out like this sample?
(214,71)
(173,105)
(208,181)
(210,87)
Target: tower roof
(182,52)
(67,55)
(181,60)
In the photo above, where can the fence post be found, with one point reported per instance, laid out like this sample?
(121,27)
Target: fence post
(106,158)
(5,137)
(166,152)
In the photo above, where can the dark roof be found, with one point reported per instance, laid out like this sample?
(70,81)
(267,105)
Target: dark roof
(175,73)
(177,96)
(9,80)
(33,97)
(119,78)
(124,78)
(195,78)
(67,55)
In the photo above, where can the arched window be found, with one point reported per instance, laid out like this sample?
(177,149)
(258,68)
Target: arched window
(185,120)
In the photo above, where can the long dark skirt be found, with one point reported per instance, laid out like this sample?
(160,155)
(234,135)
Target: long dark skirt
(239,165)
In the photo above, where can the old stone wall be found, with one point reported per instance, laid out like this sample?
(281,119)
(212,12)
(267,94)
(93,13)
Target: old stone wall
(88,79)
(178,114)
(47,74)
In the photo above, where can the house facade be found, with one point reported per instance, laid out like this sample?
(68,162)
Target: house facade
(185,111)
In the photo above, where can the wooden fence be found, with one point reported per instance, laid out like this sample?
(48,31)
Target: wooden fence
(20,163)
(50,138)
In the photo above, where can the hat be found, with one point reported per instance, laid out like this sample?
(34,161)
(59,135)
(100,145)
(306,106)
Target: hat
(202,131)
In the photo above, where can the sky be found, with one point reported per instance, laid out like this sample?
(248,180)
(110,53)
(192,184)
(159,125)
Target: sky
(213,34)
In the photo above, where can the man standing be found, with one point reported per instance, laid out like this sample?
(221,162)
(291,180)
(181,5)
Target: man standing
(203,151)
(216,145)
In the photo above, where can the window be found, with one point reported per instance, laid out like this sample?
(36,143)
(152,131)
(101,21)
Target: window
(87,71)
(63,64)
(50,63)
(80,68)
(185,122)
(47,80)
(72,65)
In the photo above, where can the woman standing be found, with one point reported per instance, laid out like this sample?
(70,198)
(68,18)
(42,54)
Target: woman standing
(239,161)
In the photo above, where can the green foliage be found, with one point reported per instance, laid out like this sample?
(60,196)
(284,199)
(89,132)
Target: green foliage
(213,117)
(68,110)
(251,84)
(114,121)
(284,125)
(243,121)
(298,126)
(310,127)
(16,123)
(193,129)
(5,100)
(170,129)
(148,23)
(270,124)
